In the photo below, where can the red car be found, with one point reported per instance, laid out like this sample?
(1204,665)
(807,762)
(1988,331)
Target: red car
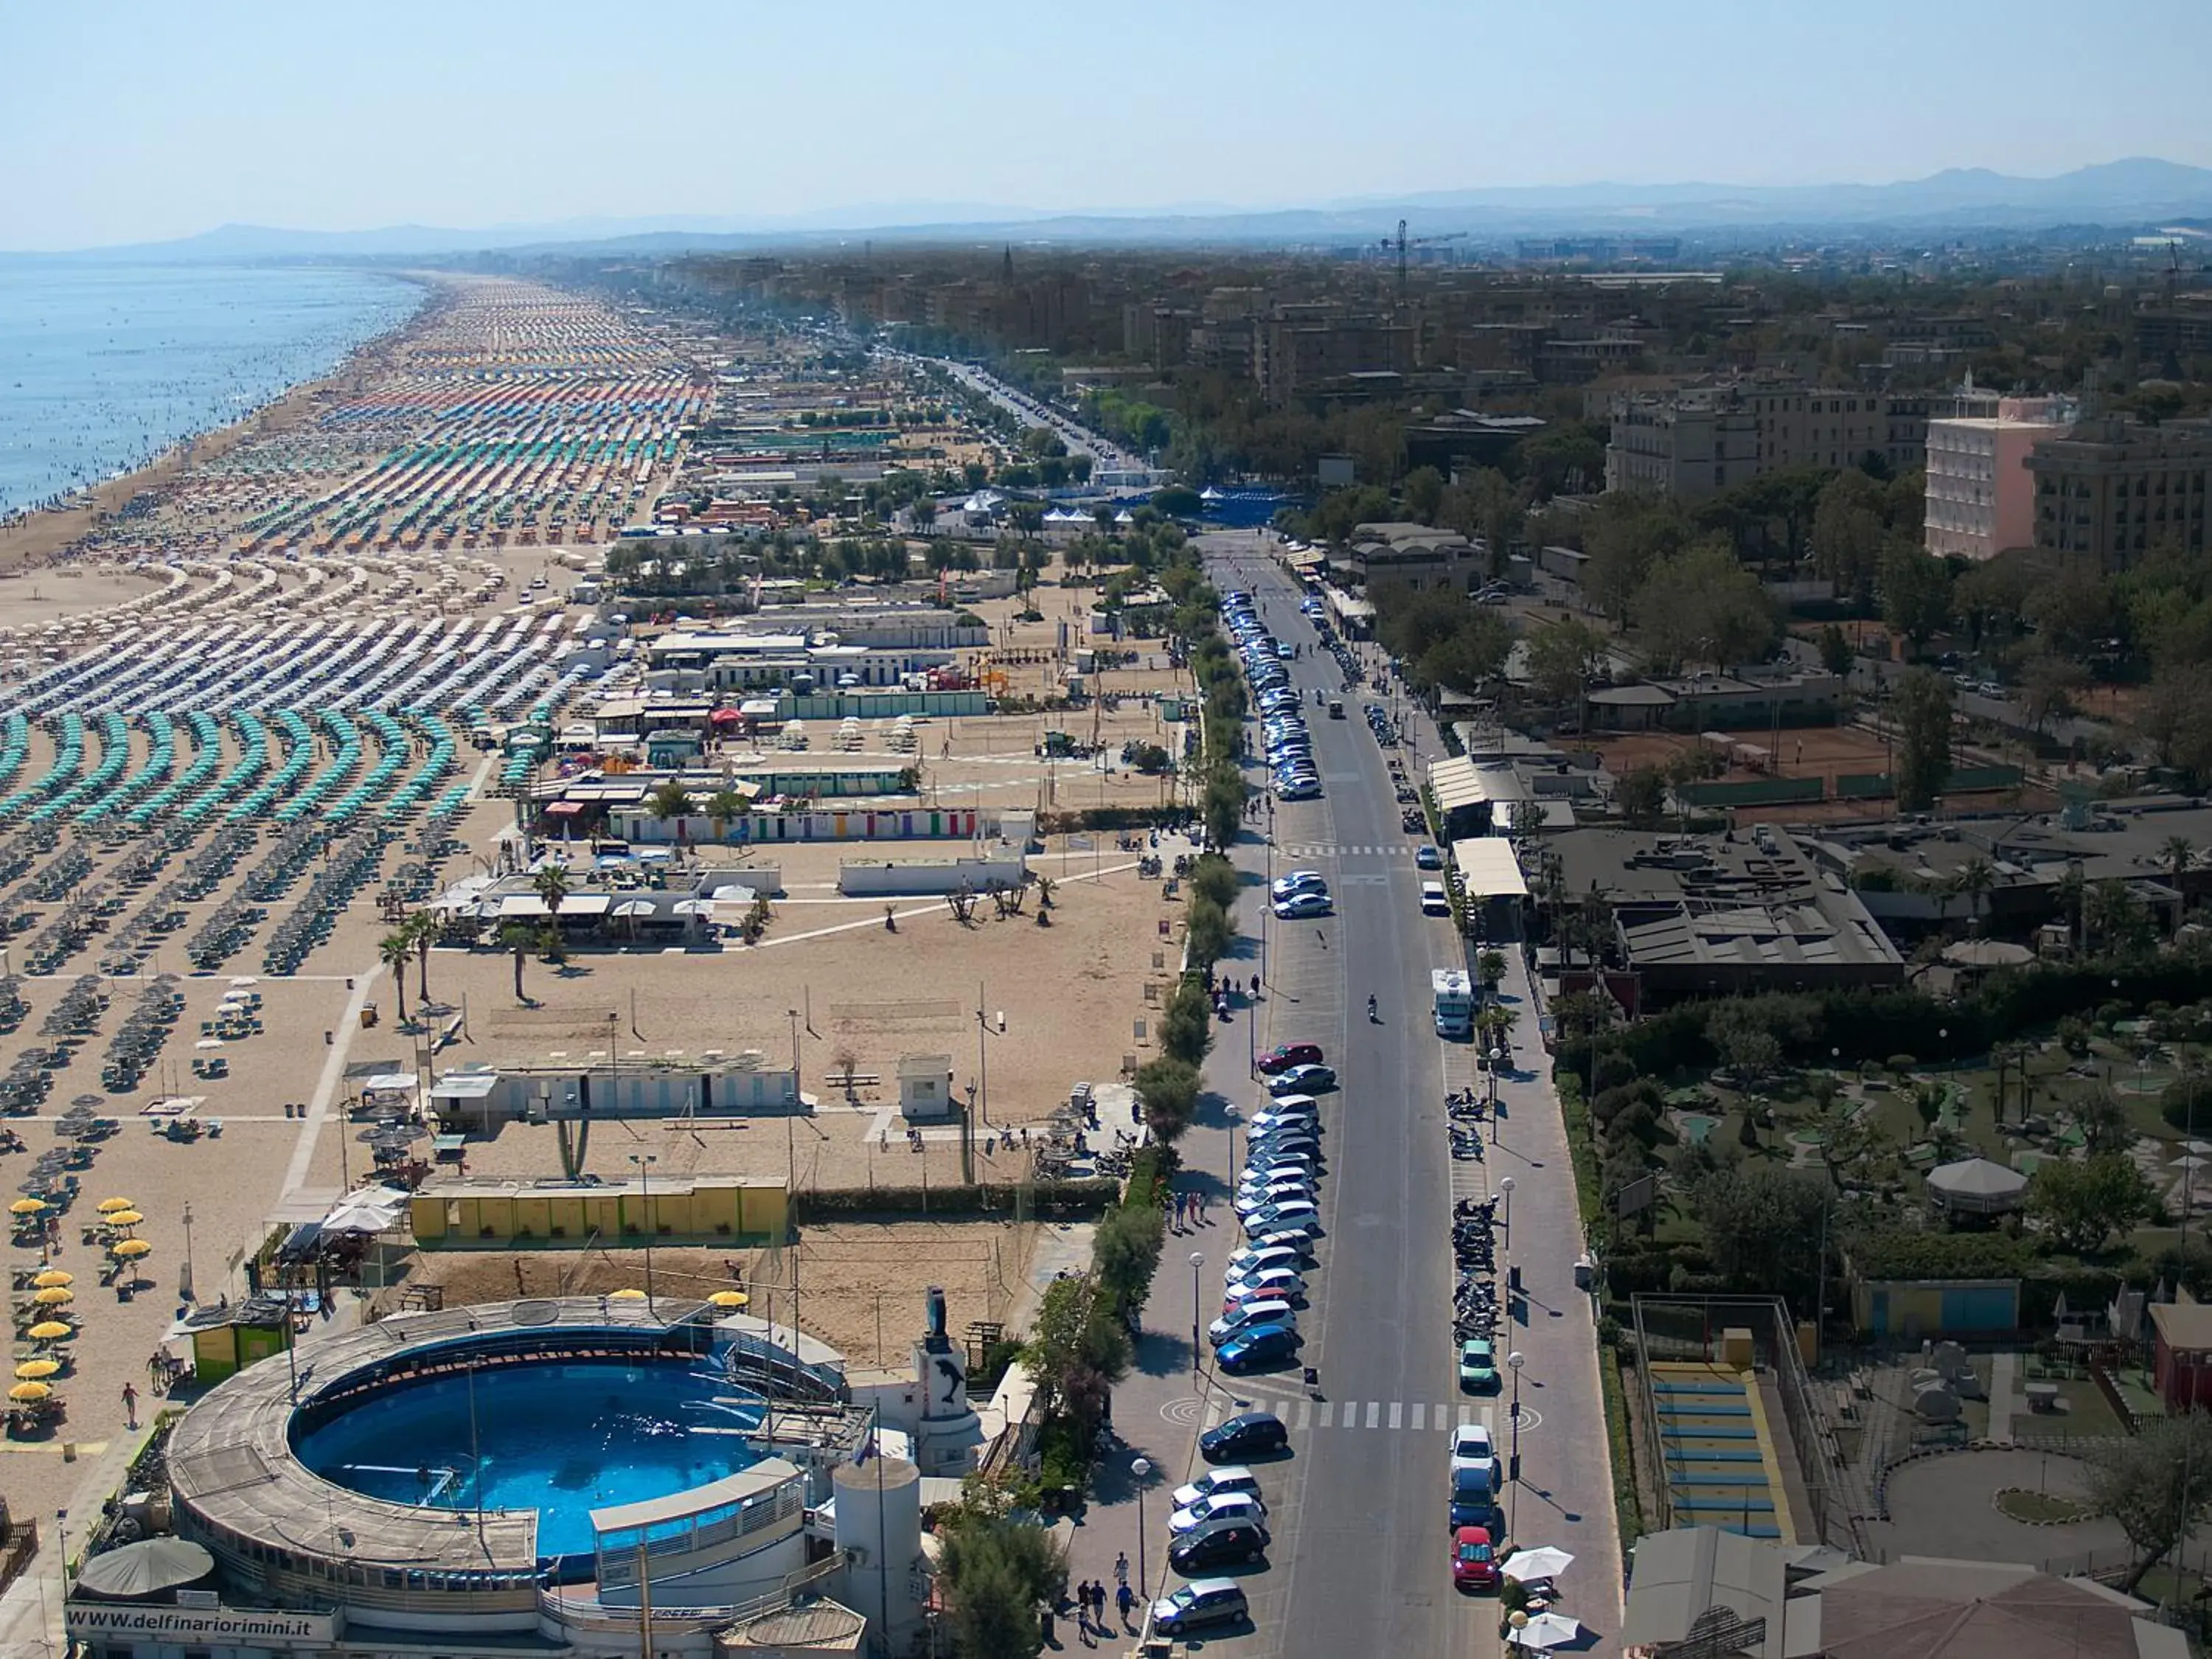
(1474,1562)
(1282,1058)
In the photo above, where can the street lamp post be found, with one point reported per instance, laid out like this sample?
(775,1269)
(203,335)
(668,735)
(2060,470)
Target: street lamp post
(1495,1056)
(1505,1191)
(1513,1363)
(1139,1470)
(1197,1261)
(191,1289)
(644,1160)
(1232,1115)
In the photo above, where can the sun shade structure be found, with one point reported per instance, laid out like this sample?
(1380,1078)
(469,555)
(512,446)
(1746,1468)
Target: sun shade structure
(130,1249)
(627,1296)
(1975,1186)
(28,1392)
(125,1219)
(110,1206)
(730,1299)
(50,1330)
(52,1276)
(28,1205)
(54,1296)
(147,1568)
(35,1371)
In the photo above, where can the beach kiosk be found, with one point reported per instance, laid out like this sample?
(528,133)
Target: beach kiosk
(227,1340)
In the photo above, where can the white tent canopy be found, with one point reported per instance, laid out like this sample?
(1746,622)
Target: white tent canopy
(1976,1185)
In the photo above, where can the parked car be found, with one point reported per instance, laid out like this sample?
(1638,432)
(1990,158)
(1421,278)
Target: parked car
(1244,1504)
(1474,1500)
(1473,1560)
(1248,1434)
(1477,1365)
(1471,1448)
(1248,1314)
(1217,1543)
(1263,1345)
(1273,1218)
(1298,881)
(1202,1602)
(1253,1260)
(1302,1080)
(1284,1055)
(1427,858)
(1233,1477)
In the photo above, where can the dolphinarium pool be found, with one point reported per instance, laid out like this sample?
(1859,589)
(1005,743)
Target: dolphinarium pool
(563,1439)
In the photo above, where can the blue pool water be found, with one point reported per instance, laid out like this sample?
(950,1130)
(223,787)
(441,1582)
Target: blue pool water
(564,1440)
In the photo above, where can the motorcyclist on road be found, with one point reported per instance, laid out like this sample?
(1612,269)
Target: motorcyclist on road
(1370,1007)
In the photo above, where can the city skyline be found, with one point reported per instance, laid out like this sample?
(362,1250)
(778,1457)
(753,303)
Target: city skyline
(506,115)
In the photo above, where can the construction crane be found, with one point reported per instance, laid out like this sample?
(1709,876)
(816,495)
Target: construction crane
(1417,241)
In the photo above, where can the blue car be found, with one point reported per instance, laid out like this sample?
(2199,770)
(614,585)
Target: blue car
(1474,1500)
(1263,1345)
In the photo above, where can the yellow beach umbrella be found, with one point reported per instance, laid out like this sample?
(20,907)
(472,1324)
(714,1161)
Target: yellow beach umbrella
(31,1369)
(627,1296)
(125,1219)
(110,1206)
(132,1247)
(29,1391)
(26,1206)
(730,1299)
(50,1330)
(54,1296)
(51,1277)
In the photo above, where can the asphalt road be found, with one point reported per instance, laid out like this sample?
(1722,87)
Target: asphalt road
(1362,1547)
(1360,1562)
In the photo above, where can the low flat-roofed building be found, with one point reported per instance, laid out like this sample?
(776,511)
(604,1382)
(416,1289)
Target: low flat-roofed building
(1713,916)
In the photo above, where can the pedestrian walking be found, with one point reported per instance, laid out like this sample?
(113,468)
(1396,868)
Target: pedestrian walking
(130,1406)
(1121,1570)
(1124,1598)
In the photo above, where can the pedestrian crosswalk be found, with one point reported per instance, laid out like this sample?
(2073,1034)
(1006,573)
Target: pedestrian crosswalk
(1329,849)
(1306,1414)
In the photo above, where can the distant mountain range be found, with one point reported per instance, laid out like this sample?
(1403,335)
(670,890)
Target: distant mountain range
(2126,194)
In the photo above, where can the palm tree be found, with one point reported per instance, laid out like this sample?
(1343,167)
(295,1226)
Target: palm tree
(671,800)
(551,883)
(393,950)
(2072,890)
(518,937)
(2177,853)
(422,928)
(724,807)
(1974,878)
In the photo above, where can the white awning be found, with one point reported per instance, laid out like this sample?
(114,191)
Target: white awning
(1488,868)
(522,904)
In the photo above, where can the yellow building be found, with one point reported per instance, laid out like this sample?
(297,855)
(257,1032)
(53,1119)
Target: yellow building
(503,1215)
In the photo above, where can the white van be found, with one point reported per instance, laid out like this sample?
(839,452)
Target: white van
(1434,901)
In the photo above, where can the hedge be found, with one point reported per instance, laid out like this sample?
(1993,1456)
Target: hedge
(1110,818)
(1627,1500)
(1091,1196)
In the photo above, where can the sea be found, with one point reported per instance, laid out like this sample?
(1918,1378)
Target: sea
(104,367)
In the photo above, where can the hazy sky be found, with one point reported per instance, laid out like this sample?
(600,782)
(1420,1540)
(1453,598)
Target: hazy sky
(127,121)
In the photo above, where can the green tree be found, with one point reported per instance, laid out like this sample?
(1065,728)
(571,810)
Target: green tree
(1848,532)
(996,1575)
(1168,1091)
(1213,878)
(2157,1485)
(1701,606)
(2081,1204)
(1187,1023)
(422,932)
(1223,805)
(1125,1251)
(1629,533)
(1973,879)
(1078,1348)
(726,806)
(2047,686)
(669,802)
(1562,658)
(1424,490)
(1641,796)
(551,883)
(1916,592)
(1208,932)
(1762,1226)
(1920,710)
(1835,654)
